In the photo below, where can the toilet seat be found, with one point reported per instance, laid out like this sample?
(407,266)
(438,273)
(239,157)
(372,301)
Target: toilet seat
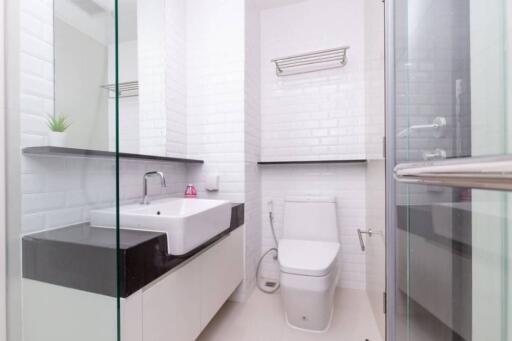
(307,258)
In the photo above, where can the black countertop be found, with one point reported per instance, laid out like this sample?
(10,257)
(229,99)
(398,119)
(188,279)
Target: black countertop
(84,257)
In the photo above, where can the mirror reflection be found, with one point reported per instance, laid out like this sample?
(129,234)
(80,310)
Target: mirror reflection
(84,48)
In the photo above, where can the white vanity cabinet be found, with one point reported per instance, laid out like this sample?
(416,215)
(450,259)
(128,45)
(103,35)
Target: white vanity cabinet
(171,306)
(176,306)
(222,272)
(181,303)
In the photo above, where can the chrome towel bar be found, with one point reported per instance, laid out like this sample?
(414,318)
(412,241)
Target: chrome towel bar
(489,172)
(126,89)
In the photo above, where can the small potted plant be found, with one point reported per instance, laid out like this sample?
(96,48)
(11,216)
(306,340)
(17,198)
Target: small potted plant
(57,135)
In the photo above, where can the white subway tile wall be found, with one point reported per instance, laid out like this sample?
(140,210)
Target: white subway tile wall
(215,93)
(374,79)
(58,191)
(252,147)
(426,83)
(152,73)
(430,85)
(223,109)
(210,92)
(315,116)
(128,106)
(318,115)
(36,67)
(176,77)
(375,255)
(346,183)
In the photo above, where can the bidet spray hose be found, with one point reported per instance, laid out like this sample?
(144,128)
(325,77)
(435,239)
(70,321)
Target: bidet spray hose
(274,236)
(271,219)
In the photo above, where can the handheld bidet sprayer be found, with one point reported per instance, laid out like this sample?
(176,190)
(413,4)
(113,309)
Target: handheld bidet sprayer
(272,286)
(271,219)
(270,210)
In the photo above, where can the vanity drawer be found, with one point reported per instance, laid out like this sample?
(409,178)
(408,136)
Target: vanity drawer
(182,303)
(222,272)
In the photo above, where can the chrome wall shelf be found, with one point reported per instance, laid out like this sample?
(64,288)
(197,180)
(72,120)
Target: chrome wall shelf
(311,62)
(126,89)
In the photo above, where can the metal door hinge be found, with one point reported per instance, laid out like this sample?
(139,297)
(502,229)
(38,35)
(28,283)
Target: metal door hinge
(384,147)
(384,302)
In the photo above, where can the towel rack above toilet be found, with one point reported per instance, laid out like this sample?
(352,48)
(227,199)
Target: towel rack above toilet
(311,62)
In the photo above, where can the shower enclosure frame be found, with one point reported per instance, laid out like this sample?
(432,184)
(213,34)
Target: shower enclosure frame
(490,179)
(389,299)
(11,322)
(3,331)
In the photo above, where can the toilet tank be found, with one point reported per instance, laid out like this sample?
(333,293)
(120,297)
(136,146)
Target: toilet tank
(310,218)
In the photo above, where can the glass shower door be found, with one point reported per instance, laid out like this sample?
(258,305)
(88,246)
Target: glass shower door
(450,170)
(62,271)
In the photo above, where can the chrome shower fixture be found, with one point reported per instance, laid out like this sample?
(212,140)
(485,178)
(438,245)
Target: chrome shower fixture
(437,127)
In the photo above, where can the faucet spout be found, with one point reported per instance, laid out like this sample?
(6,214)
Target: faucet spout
(145,196)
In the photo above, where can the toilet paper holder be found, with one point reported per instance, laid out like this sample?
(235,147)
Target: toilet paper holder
(360,233)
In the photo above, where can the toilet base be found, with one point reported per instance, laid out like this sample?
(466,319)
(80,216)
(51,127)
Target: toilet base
(310,330)
(308,301)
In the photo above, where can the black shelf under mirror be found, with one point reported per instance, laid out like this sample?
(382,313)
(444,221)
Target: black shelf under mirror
(49,150)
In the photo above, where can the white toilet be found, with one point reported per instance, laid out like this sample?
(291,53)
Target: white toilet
(307,258)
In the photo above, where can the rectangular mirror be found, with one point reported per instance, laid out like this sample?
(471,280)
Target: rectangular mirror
(84,75)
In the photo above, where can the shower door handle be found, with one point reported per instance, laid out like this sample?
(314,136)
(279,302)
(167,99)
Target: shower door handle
(361,241)
(486,172)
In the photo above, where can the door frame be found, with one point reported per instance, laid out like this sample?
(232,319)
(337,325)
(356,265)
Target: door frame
(3,202)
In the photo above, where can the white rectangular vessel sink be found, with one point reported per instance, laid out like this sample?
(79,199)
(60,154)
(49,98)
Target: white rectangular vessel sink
(188,223)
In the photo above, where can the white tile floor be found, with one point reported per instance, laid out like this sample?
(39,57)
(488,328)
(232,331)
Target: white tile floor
(262,318)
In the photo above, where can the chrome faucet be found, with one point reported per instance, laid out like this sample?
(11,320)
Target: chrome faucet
(145,200)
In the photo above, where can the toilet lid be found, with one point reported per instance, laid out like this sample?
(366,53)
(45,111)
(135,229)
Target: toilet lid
(304,257)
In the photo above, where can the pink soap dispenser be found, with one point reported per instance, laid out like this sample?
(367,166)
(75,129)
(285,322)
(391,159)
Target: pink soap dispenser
(190,191)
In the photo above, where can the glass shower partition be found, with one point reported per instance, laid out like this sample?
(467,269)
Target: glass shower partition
(449,170)
(62,163)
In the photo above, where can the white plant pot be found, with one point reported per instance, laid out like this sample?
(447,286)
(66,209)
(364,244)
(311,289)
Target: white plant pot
(56,139)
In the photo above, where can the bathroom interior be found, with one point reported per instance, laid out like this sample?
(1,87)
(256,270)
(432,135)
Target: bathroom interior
(255,170)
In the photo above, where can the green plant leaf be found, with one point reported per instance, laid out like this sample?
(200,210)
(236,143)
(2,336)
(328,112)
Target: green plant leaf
(58,123)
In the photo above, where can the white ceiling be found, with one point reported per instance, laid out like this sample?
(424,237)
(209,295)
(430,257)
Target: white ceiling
(264,4)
